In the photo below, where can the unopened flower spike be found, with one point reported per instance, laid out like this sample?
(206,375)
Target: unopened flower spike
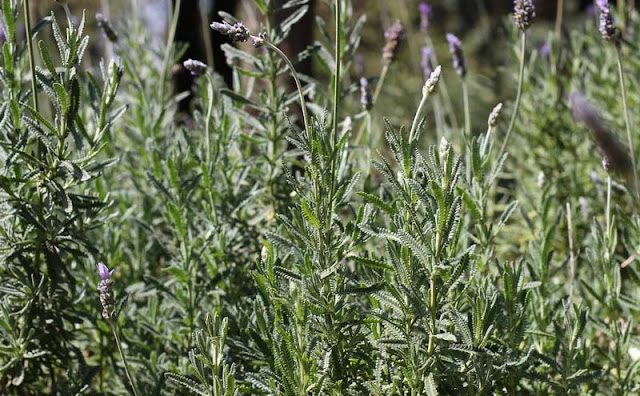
(196,67)
(107,28)
(458,59)
(237,31)
(432,81)
(524,13)
(493,117)
(365,94)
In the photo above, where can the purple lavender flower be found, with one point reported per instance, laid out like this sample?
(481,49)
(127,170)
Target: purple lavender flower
(523,13)
(545,50)
(393,37)
(365,94)
(237,31)
(426,61)
(358,64)
(426,12)
(196,67)
(616,157)
(105,287)
(455,47)
(607,27)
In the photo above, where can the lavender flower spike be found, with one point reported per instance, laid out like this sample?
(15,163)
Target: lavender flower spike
(523,13)
(105,287)
(393,37)
(196,67)
(455,47)
(237,31)
(426,61)
(426,12)
(607,27)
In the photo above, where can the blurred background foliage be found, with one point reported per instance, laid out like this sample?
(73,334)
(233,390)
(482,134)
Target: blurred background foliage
(479,23)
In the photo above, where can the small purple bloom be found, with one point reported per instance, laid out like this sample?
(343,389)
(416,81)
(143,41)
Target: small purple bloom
(607,27)
(426,61)
(524,12)
(103,271)
(545,50)
(455,47)
(591,11)
(426,12)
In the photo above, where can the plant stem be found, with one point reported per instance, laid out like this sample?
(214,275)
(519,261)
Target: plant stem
(414,125)
(572,260)
(336,79)
(627,120)
(167,52)
(294,74)
(559,16)
(467,114)
(608,208)
(467,127)
(442,89)
(383,75)
(124,357)
(206,32)
(518,95)
(32,64)
(206,121)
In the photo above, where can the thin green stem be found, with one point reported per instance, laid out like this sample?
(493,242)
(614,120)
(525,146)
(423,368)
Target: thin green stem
(168,51)
(414,124)
(467,114)
(608,209)
(294,74)
(467,127)
(336,80)
(124,357)
(206,32)
(32,64)
(383,75)
(559,16)
(210,89)
(518,95)
(627,120)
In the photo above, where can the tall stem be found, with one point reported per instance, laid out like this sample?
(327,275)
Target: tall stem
(167,52)
(380,83)
(124,358)
(467,114)
(518,95)
(627,120)
(206,121)
(414,125)
(32,64)
(559,16)
(206,32)
(336,80)
(608,208)
(572,260)
(294,74)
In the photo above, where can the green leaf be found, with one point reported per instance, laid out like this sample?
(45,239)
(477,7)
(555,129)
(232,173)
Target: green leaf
(309,216)
(378,203)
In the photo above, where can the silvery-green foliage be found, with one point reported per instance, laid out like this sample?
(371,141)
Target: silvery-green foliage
(49,206)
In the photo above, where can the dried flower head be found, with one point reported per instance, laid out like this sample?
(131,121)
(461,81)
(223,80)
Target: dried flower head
(455,47)
(523,13)
(365,94)
(427,53)
(616,154)
(107,28)
(393,37)
(237,31)
(426,12)
(196,67)
(607,27)
(105,287)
